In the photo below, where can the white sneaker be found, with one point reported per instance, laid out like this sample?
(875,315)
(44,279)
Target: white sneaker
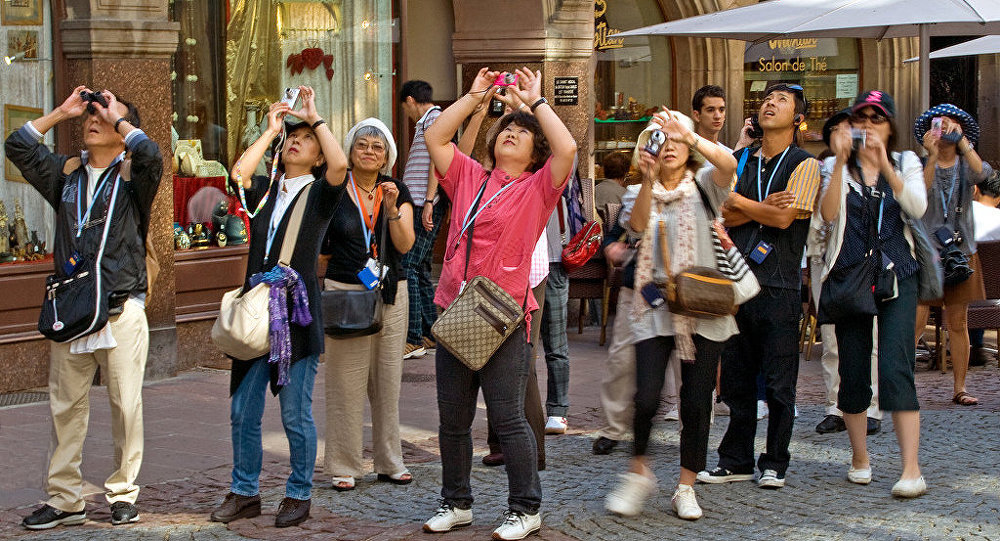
(761,410)
(685,503)
(555,425)
(447,518)
(860,476)
(517,525)
(721,409)
(770,479)
(630,494)
(413,351)
(673,415)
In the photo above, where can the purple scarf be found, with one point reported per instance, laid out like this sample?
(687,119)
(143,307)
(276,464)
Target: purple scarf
(283,279)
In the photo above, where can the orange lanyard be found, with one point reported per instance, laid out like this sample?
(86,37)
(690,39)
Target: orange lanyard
(369,220)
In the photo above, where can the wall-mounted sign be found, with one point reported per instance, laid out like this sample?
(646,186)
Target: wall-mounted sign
(847,85)
(603,34)
(567,90)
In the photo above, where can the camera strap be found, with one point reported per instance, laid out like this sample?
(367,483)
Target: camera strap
(274,176)
(945,205)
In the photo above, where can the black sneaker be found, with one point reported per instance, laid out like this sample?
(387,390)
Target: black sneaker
(46,517)
(831,424)
(722,475)
(874,426)
(124,513)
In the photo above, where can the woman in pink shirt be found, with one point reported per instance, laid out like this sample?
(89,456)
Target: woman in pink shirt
(532,157)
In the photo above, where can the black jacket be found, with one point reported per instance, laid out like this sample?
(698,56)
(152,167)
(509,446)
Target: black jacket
(123,267)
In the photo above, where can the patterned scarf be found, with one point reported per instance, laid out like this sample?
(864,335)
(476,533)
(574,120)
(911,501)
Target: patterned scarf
(682,255)
(283,279)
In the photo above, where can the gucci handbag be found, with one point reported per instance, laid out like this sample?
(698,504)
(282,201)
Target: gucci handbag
(701,292)
(582,246)
(728,259)
(481,319)
(242,329)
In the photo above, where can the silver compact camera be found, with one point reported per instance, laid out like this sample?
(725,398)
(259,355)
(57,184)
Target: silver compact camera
(656,140)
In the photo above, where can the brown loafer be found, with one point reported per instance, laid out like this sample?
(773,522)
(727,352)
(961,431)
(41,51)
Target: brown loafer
(291,512)
(493,459)
(235,507)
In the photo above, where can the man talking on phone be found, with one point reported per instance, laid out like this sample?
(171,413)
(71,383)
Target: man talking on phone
(767,214)
(102,200)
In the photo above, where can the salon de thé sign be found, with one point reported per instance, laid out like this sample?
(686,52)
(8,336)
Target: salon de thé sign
(791,55)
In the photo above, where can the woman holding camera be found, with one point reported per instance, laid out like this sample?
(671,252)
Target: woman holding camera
(870,193)
(312,165)
(533,157)
(949,134)
(670,201)
(370,365)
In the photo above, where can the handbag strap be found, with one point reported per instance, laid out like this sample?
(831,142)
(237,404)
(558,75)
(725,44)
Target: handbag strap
(294,224)
(472,228)
(661,239)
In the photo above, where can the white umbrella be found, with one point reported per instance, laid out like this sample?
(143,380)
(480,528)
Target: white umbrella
(843,18)
(983,45)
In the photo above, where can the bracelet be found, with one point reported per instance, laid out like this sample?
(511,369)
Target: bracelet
(118,122)
(694,145)
(429,201)
(537,103)
(398,216)
(317,124)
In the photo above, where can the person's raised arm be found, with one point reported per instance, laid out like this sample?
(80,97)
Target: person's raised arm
(561,142)
(333,153)
(467,143)
(840,144)
(73,107)
(650,169)
(247,164)
(438,135)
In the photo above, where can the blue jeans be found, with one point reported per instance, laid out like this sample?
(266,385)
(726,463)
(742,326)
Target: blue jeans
(296,416)
(417,265)
(503,381)
(555,341)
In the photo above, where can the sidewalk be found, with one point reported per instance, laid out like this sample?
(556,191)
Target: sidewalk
(185,471)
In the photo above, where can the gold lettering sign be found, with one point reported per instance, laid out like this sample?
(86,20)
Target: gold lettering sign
(793,44)
(602,32)
(797,64)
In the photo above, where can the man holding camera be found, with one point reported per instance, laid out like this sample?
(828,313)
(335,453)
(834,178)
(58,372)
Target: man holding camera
(768,218)
(102,200)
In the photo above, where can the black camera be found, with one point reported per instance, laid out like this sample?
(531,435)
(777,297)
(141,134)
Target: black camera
(91,98)
(755,131)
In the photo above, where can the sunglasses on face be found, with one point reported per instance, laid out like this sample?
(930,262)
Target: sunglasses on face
(875,118)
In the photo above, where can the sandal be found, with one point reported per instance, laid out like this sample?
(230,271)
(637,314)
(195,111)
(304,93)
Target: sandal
(963,398)
(343,484)
(402,478)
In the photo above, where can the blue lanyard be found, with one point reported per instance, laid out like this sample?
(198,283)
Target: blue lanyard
(467,221)
(762,195)
(82,192)
(954,183)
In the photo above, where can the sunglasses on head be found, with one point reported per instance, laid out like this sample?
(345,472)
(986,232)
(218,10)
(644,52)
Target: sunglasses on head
(794,89)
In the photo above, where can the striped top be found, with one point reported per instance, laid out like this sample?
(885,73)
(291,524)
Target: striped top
(418,162)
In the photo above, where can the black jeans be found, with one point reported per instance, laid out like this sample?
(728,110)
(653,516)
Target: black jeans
(896,355)
(697,384)
(503,381)
(768,344)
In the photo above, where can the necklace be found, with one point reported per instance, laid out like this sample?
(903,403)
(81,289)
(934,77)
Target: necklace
(371,192)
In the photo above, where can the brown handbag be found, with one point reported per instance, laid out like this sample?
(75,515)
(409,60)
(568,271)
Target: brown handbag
(701,292)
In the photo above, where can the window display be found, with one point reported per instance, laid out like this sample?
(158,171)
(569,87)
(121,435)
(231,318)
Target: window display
(827,68)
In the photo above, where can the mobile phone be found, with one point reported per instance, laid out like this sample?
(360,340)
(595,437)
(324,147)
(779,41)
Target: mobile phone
(755,131)
(291,97)
(656,140)
(952,137)
(652,295)
(858,138)
(944,235)
(936,125)
(506,79)
(496,108)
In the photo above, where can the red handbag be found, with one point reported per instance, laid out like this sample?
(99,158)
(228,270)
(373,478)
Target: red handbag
(582,246)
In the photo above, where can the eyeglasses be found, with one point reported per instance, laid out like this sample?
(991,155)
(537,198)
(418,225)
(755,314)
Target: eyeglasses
(875,119)
(377,148)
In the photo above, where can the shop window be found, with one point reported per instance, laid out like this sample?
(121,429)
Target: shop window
(633,74)
(26,89)
(828,70)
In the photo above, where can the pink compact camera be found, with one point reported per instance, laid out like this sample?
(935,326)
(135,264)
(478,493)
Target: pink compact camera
(506,79)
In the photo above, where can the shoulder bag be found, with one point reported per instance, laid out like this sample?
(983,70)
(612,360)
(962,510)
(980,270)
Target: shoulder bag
(481,318)
(696,291)
(728,258)
(351,313)
(849,292)
(77,305)
(242,328)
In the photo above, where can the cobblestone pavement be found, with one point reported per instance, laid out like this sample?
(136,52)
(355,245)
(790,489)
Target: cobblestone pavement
(186,472)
